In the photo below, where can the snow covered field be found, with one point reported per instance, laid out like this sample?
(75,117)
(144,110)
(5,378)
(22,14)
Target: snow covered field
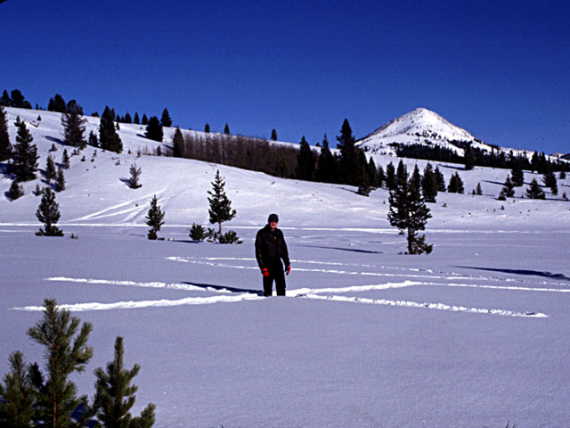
(473,335)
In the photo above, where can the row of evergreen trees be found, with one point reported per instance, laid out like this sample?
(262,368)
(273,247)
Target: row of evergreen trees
(34,397)
(14,99)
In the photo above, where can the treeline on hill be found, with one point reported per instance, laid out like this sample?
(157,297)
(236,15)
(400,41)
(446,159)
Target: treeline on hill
(477,157)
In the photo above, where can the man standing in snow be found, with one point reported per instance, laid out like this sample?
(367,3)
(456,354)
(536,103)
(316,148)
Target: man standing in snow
(270,249)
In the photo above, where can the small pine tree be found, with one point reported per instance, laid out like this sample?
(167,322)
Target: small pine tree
(60,181)
(154,129)
(65,162)
(154,219)
(17,395)
(197,232)
(327,164)
(429,184)
(48,214)
(227,129)
(136,119)
(207,128)
(549,180)
(440,180)
(508,188)
(534,191)
(348,163)
(517,176)
(165,119)
(15,191)
(390,176)
(25,154)
(178,143)
(37,190)
(274,134)
(220,206)
(478,190)
(144,120)
(5,99)
(50,172)
(66,352)
(5,145)
(108,137)
(455,184)
(115,395)
(93,140)
(380,177)
(133,180)
(73,128)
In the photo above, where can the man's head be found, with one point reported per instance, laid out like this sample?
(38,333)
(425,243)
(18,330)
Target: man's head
(272,220)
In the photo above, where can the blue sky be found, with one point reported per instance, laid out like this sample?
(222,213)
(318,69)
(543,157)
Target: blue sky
(499,69)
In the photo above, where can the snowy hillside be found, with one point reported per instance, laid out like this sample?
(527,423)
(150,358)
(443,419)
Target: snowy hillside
(96,193)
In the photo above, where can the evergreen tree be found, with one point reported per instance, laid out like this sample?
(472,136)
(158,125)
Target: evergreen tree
(17,395)
(401,173)
(305,162)
(144,120)
(409,213)
(154,218)
(220,209)
(136,119)
(348,166)
(135,173)
(549,180)
(165,119)
(15,191)
(73,106)
(440,180)
(561,176)
(390,176)
(65,162)
(372,172)
(455,184)
(154,129)
(108,137)
(517,176)
(50,172)
(66,352)
(226,129)
(416,178)
(380,177)
(93,140)
(18,99)
(508,188)
(5,146)
(48,214)
(73,128)
(177,144)
(478,190)
(469,158)
(534,191)
(115,394)
(128,118)
(57,103)
(25,154)
(274,134)
(326,168)
(207,128)
(60,181)
(5,99)
(429,184)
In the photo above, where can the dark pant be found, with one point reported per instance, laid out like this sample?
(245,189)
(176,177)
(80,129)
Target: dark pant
(275,273)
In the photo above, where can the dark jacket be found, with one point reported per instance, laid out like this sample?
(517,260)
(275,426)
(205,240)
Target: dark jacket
(270,247)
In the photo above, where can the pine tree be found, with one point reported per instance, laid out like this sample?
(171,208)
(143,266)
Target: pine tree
(220,209)
(348,166)
(135,173)
(5,99)
(15,191)
(274,134)
(154,218)
(372,172)
(115,394)
(478,190)
(18,99)
(5,146)
(408,212)
(178,144)
(73,106)
(48,214)
(455,184)
(549,180)
(128,118)
(305,161)
(390,176)
(154,129)
(144,120)
(429,184)
(508,188)
(380,177)
(65,161)
(517,176)
(207,128)
(562,175)
(66,353)
(136,119)
(326,168)
(401,173)
(60,181)
(93,140)
(165,119)
(469,158)
(57,103)
(17,395)
(50,172)
(73,128)
(440,180)
(534,191)
(227,129)
(25,154)
(108,137)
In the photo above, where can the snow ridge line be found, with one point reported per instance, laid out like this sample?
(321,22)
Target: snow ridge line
(426,305)
(96,306)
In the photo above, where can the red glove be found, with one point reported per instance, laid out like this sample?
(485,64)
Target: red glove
(288,269)
(265,272)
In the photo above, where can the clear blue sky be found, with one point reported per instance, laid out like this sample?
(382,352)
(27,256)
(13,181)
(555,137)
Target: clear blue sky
(500,69)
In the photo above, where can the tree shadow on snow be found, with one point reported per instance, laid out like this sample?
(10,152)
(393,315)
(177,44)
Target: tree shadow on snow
(458,168)
(225,288)
(352,250)
(529,272)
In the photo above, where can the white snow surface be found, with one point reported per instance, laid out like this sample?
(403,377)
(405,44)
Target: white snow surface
(473,335)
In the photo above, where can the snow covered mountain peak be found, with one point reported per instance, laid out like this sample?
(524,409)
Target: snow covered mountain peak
(419,126)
